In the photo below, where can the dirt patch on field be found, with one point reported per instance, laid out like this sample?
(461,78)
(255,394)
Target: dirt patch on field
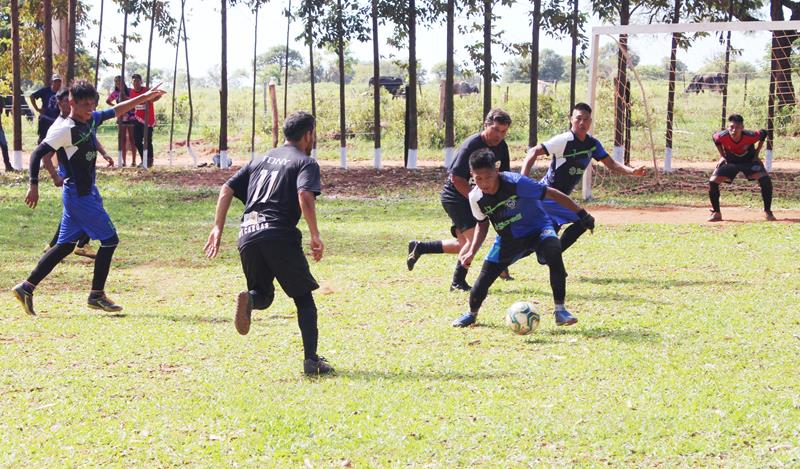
(685,215)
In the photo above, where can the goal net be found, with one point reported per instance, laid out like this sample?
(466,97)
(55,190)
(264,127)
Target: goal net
(679,84)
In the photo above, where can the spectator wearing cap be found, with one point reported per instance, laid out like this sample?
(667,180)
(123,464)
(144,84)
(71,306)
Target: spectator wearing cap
(140,123)
(49,110)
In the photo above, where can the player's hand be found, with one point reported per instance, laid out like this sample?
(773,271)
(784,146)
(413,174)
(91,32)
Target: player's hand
(466,258)
(638,171)
(586,220)
(317,248)
(155,93)
(58,181)
(109,160)
(32,197)
(212,245)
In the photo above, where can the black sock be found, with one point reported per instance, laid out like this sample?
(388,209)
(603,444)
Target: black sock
(551,248)
(766,192)
(489,273)
(102,264)
(49,260)
(307,320)
(460,274)
(430,247)
(261,300)
(713,194)
(571,234)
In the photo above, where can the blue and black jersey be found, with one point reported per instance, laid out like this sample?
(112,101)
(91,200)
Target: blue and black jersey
(515,210)
(570,158)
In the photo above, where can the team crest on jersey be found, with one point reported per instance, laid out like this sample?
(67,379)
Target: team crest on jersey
(91,155)
(574,171)
(511,203)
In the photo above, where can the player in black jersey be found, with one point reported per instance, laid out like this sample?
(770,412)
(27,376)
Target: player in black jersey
(276,189)
(572,152)
(83,207)
(454,196)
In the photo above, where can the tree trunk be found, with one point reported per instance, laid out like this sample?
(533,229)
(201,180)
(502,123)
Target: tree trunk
(376,88)
(310,36)
(412,84)
(73,21)
(255,71)
(48,41)
(726,68)
(620,103)
(223,88)
(99,40)
(533,111)
(16,85)
(449,111)
(174,86)
(573,69)
(340,53)
(148,161)
(673,57)
(286,60)
(487,57)
(188,81)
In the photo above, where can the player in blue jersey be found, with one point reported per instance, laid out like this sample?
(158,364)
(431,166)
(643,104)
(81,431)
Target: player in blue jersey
(571,153)
(83,206)
(513,204)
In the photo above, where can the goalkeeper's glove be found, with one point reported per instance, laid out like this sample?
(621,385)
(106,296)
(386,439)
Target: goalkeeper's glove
(586,220)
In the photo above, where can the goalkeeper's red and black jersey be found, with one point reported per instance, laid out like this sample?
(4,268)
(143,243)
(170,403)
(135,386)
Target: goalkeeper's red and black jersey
(741,151)
(268,186)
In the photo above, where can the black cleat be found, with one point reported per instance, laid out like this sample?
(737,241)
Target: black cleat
(460,286)
(244,309)
(103,302)
(25,298)
(317,367)
(413,256)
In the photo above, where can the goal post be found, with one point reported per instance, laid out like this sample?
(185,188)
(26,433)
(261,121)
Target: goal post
(645,101)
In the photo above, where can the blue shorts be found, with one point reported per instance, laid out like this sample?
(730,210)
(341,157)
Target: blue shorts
(558,213)
(506,251)
(84,214)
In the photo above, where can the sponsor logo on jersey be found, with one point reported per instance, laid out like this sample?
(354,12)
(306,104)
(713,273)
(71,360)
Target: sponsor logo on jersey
(575,171)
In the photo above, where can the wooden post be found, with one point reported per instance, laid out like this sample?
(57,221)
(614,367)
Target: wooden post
(744,99)
(442,95)
(505,96)
(274,102)
(628,105)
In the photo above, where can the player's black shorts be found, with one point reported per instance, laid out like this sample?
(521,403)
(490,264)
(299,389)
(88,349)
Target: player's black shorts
(460,213)
(749,169)
(282,259)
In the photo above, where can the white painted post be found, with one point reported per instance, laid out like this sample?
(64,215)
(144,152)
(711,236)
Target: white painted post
(769,160)
(343,157)
(119,158)
(17,160)
(668,160)
(377,159)
(224,161)
(449,155)
(412,158)
(192,154)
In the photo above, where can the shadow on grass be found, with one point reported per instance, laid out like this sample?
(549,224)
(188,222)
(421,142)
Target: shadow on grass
(622,335)
(412,375)
(654,282)
(169,317)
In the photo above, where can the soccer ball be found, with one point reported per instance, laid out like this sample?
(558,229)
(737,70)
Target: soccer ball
(522,318)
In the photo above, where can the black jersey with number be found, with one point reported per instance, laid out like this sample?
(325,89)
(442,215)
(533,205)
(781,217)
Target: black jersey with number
(268,186)
(460,165)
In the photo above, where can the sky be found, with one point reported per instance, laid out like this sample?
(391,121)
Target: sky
(203,26)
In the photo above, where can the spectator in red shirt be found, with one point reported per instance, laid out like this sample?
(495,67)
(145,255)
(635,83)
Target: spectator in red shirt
(125,123)
(139,123)
(739,153)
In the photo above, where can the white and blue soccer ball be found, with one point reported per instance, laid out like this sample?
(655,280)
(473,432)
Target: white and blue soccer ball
(522,318)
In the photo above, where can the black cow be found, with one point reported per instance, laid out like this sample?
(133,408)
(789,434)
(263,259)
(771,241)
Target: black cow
(464,87)
(394,85)
(710,82)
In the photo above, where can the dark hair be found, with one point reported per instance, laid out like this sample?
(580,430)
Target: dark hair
(297,124)
(136,75)
(62,93)
(483,158)
(82,89)
(497,115)
(737,118)
(582,107)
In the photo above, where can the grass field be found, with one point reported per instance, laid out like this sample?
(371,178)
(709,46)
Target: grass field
(685,353)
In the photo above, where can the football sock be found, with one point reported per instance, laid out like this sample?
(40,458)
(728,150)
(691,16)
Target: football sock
(260,300)
(94,294)
(713,194)
(489,273)
(48,261)
(551,248)
(430,247)
(571,234)
(307,320)
(28,287)
(102,263)
(460,273)
(560,307)
(766,192)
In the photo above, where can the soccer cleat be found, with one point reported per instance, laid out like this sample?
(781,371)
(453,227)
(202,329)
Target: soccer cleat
(466,320)
(715,216)
(563,318)
(85,251)
(460,286)
(103,302)
(769,216)
(317,367)
(413,256)
(244,309)
(25,298)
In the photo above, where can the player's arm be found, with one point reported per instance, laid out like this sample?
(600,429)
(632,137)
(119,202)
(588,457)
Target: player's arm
(481,230)
(47,162)
(615,167)
(562,199)
(152,94)
(461,185)
(215,237)
(102,150)
(33,103)
(530,159)
(308,204)
(762,137)
(41,151)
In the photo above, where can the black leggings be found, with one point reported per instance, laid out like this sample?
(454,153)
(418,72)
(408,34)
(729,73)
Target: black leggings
(57,253)
(307,320)
(549,249)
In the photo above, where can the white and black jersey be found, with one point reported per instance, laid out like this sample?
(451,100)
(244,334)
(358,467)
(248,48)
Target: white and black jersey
(571,157)
(268,186)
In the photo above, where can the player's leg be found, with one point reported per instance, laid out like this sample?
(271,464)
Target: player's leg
(24,291)
(260,290)
(460,271)
(549,248)
(562,216)
(102,265)
(724,173)
(138,138)
(4,150)
(756,171)
(571,234)
(149,145)
(494,263)
(417,248)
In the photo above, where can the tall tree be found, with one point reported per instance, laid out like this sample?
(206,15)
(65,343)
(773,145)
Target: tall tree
(16,85)
(449,104)
(533,109)
(255,74)
(673,58)
(175,83)
(487,56)
(224,162)
(376,85)
(147,158)
(47,7)
(411,97)
(188,84)
(99,40)
(73,24)
(574,55)
(286,59)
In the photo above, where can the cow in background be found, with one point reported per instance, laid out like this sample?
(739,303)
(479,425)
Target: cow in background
(710,82)
(463,87)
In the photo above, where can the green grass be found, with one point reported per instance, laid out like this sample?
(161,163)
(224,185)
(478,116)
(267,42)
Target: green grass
(685,353)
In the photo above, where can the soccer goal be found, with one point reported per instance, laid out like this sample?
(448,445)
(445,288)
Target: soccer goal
(680,83)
